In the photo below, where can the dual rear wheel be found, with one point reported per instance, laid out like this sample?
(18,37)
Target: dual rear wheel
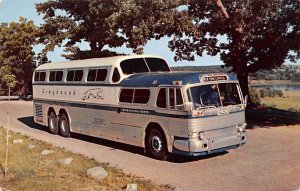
(59,124)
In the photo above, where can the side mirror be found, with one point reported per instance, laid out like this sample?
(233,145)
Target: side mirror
(245,100)
(188,106)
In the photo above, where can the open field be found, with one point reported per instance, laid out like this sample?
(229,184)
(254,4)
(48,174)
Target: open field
(270,82)
(29,170)
(289,100)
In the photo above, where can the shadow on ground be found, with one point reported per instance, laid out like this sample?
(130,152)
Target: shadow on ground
(271,117)
(118,146)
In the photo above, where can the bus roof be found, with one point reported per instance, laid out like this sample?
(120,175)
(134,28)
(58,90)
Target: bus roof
(173,78)
(93,62)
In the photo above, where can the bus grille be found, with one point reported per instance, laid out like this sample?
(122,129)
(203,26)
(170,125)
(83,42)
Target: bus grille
(38,111)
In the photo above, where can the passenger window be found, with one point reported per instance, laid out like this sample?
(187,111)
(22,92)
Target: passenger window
(37,76)
(161,98)
(55,76)
(132,66)
(92,75)
(70,75)
(157,64)
(52,76)
(42,76)
(101,75)
(179,100)
(116,75)
(141,96)
(171,98)
(78,75)
(126,95)
(58,75)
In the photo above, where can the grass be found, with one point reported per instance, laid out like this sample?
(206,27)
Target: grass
(289,100)
(28,170)
(270,82)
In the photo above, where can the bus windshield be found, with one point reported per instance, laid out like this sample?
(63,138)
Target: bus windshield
(215,95)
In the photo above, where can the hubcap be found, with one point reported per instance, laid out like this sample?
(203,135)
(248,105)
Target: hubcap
(156,144)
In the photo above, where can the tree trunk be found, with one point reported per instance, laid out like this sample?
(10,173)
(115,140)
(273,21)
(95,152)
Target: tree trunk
(243,79)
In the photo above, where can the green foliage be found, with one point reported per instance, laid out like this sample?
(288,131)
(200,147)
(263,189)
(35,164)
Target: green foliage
(102,23)
(255,95)
(17,58)
(260,34)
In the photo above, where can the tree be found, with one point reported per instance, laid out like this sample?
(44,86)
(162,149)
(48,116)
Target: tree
(259,34)
(102,23)
(16,54)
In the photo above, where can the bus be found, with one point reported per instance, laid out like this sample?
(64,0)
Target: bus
(138,100)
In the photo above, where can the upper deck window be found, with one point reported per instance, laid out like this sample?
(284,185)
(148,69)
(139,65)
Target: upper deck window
(140,96)
(97,75)
(136,65)
(157,65)
(74,75)
(39,76)
(140,65)
(55,76)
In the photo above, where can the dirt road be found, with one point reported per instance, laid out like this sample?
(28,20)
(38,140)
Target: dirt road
(269,161)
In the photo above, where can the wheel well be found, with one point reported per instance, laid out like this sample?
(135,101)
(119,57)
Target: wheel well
(153,125)
(63,111)
(51,109)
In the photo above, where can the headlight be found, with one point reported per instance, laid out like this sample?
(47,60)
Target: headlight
(193,135)
(201,135)
(241,128)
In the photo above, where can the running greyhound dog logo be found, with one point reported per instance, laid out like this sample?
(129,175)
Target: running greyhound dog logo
(93,94)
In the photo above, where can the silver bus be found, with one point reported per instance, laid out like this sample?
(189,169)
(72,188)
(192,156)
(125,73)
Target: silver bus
(137,100)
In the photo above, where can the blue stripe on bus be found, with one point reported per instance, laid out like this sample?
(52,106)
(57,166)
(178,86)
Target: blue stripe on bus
(120,109)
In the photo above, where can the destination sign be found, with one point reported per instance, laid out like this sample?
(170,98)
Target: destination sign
(214,78)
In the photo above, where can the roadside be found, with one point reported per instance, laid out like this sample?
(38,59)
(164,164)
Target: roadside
(57,169)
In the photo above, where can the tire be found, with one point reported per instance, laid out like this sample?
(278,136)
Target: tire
(53,123)
(64,126)
(156,145)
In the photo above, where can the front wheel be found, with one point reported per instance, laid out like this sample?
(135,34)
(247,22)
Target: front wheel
(52,123)
(156,145)
(64,126)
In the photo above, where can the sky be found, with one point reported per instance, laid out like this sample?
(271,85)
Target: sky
(11,10)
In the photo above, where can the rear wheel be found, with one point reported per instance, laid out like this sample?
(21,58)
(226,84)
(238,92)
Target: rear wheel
(52,123)
(64,126)
(156,145)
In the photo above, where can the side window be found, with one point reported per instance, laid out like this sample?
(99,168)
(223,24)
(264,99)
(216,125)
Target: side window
(161,98)
(70,75)
(116,75)
(171,98)
(101,75)
(58,75)
(126,95)
(42,76)
(37,76)
(52,76)
(78,75)
(55,76)
(141,96)
(92,75)
(179,100)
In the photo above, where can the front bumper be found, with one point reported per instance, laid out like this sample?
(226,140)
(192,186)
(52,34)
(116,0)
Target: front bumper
(196,147)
